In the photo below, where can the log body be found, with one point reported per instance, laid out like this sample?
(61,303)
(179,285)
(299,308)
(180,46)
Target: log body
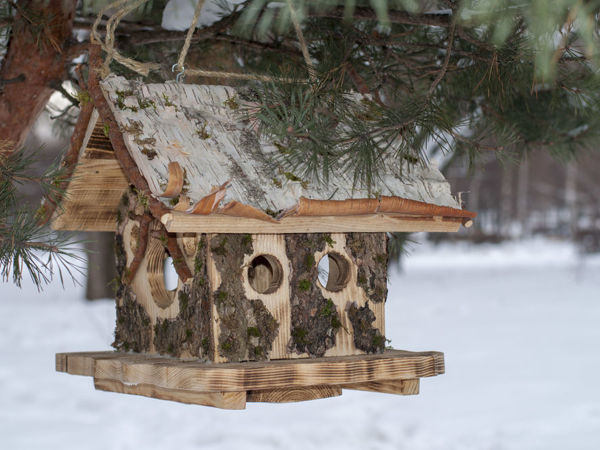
(247,297)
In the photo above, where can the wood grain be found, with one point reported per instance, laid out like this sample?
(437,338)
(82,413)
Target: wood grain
(282,374)
(222,400)
(179,222)
(299,394)
(92,198)
(399,387)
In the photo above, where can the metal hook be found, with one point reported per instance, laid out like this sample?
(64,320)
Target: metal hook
(181,75)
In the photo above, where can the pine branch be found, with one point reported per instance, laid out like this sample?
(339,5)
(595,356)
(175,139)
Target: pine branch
(396,17)
(24,240)
(446,60)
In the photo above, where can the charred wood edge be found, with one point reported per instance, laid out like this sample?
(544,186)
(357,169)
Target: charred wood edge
(140,251)
(122,155)
(181,267)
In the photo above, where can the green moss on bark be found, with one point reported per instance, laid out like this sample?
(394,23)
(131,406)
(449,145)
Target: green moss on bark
(315,321)
(366,337)
(133,331)
(189,333)
(369,252)
(246,327)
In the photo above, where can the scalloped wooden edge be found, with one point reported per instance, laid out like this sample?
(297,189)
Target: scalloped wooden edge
(231,385)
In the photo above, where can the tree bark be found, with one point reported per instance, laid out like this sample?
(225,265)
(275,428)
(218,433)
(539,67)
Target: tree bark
(37,55)
(571,196)
(522,196)
(101,265)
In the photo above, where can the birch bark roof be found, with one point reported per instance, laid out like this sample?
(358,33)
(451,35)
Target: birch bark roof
(200,127)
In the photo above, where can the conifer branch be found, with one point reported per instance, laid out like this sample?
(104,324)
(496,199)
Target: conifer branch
(446,60)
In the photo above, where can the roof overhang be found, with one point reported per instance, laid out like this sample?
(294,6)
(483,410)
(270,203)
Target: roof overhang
(98,182)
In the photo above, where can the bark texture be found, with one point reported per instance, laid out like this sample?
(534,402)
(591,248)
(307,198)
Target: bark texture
(315,320)
(246,327)
(190,332)
(37,54)
(369,251)
(366,337)
(133,330)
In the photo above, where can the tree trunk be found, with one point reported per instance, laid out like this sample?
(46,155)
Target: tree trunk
(506,192)
(101,265)
(522,194)
(35,61)
(571,196)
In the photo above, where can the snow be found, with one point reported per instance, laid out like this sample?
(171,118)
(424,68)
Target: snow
(178,14)
(518,324)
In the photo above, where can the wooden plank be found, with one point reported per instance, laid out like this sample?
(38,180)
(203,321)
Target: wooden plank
(222,400)
(84,363)
(93,196)
(202,377)
(299,394)
(179,222)
(399,387)
(61,362)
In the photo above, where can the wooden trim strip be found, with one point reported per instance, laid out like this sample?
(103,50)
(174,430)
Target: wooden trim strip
(384,204)
(179,222)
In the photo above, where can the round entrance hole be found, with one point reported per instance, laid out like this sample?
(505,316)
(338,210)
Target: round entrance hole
(334,272)
(265,274)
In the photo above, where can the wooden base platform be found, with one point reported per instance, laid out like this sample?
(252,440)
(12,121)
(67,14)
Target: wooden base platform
(231,385)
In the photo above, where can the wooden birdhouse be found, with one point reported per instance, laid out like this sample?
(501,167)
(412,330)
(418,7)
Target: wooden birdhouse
(180,176)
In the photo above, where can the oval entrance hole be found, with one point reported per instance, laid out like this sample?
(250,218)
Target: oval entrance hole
(171,277)
(162,276)
(265,274)
(334,272)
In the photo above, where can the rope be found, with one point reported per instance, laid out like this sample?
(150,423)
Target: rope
(303,46)
(188,38)
(123,8)
(109,39)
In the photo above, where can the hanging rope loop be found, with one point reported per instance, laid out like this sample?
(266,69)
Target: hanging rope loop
(309,64)
(124,7)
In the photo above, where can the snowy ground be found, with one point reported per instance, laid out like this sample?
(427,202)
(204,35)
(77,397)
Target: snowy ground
(519,325)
